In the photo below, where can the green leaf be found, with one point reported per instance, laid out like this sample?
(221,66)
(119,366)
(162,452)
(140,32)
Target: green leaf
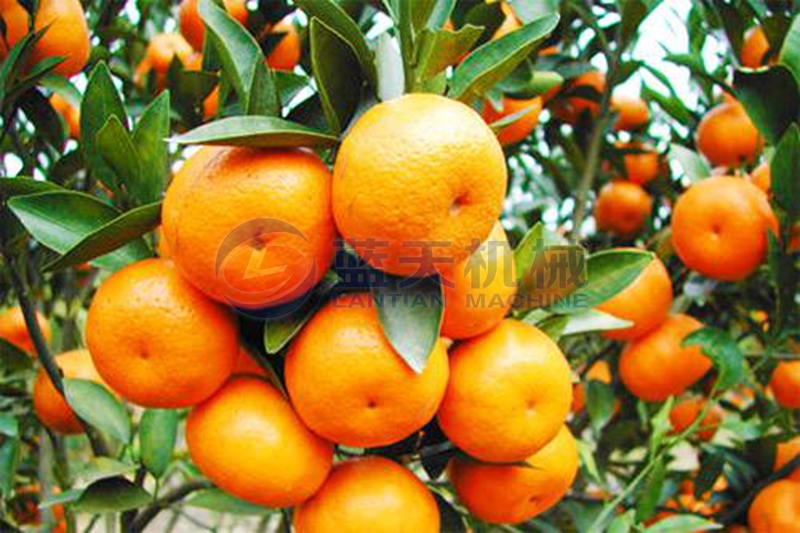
(632,13)
(586,454)
(599,403)
(9,458)
(790,52)
(526,82)
(494,60)
(591,321)
(389,62)
(410,312)
(264,99)
(111,495)
(47,122)
(693,164)
(21,186)
(449,518)
(149,138)
(553,325)
(217,500)
(783,167)
(722,350)
(279,331)
(438,49)
(671,104)
(681,524)
(262,132)
(711,466)
(63,87)
(102,468)
(67,496)
(650,494)
(659,426)
(93,403)
(12,359)
(440,13)
(8,425)
(527,11)
(115,145)
(157,434)
(622,523)
(770,97)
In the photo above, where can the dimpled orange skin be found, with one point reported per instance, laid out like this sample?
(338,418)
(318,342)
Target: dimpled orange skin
(219,189)
(640,167)
(719,227)
(622,207)
(510,494)
(632,112)
(50,406)
(417,168)
(14,330)
(785,384)
(599,371)
(656,366)
(67,33)
(509,393)
(776,509)
(645,302)
(754,48)
(70,114)
(464,314)
(727,137)
(686,411)
(248,440)
(158,56)
(286,53)
(369,494)
(156,340)
(520,128)
(570,108)
(191,24)
(785,452)
(349,385)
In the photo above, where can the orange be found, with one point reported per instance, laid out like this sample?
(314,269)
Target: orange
(640,167)
(191,24)
(570,108)
(478,293)
(719,227)
(24,508)
(510,494)
(369,494)
(522,126)
(786,451)
(645,302)
(785,384)
(632,112)
(251,227)
(67,33)
(70,114)
(727,136)
(158,341)
(754,48)
(599,371)
(776,508)
(286,53)
(510,22)
(761,177)
(656,366)
(14,330)
(418,183)
(248,440)
(349,385)
(622,207)
(50,406)
(686,411)
(158,56)
(509,393)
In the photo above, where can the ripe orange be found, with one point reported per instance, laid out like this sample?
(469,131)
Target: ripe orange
(239,248)
(158,341)
(50,406)
(632,112)
(158,56)
(785,384)
(520,128)
(645,302)
(510,494)
(349,385)
(640,167)
(489,272)
(761,177)
(191,24)
(570,108)
(622,207)
(369,494)
(248,440)
(286,53)
(719,227)
(785,452)
(686,411)
(754,48)
(70,114)
(727,136)
(776,508)
(510,22)
(418,183)
(24,508)
(656,366)
(14,330)
(509,393)
(599,371)
(67,33)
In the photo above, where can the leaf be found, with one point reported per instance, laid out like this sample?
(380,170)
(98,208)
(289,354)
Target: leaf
(681,524)
(622,523)
(552,326)
(67,496)
(389,62)
(261,132)
(671,104)
(9,458)
(47,122)
(693,164)
(790,51)
(593,320)
(103,468)
(526,82)
(783,167)
(12,359)
(659,426)
(20,186)
(93,403)
(63,87)
(111,495)
(279,331)
(586,454)
(449,518)
(438,49)
(722,350)
(650,494)
(9,426)
(632,13)
(149,138)
(770,97)
(527,11)
(440,13)
(410,312)
(217,500)
(694,62)
(157,434)
(711,466)
(599,403)
(115,145)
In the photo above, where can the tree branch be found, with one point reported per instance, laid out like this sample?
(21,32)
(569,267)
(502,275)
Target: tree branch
(149,513)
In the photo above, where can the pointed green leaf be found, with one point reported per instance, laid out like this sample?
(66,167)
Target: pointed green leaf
(149,138)
(770,97)
(263,132)
(93,403)
(784,165)
(157,434)
(682,523)
(111,495)
(790,51)
(220,501)
(116,146)
(21,186)
(438,49)
(722,350)
(693,164)
(102,468)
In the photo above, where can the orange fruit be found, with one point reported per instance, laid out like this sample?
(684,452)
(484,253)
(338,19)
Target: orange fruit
(754,48)
(599,371)
(67,33)
(656,366)
(776,508)
(642,166)
(369,494)
(70,114)
(14,330)
(510,494)
(510,22)
(255,253)
(571,107)
(645,302)
(418,183)
(522,126)
(156,340)
(158,56)
(286,53)
(50,406)
(477,293)
(191,24)
(727,137)
(785,384)
(719,227)
(248,440)
(686,411)
(349,385)
(761,177)
(622,207)
(509,393)
(786,451)
(24,508)
(632,112)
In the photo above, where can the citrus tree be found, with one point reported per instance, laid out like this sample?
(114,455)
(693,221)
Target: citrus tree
(399,265)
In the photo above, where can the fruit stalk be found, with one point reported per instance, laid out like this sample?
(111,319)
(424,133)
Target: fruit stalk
(149,513)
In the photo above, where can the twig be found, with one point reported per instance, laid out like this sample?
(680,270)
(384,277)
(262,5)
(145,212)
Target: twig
(149,513)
